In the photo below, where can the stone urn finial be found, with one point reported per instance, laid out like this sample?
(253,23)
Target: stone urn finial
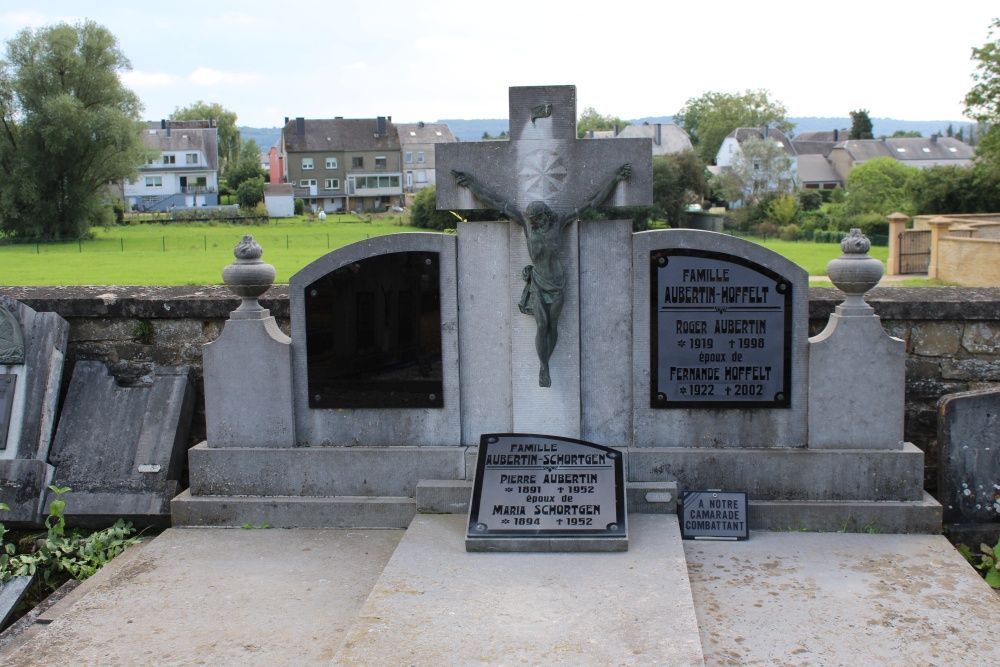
(248,276)
(855,272)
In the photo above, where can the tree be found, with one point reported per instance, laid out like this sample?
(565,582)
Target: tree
(68,127)
(247,167)
(678,180)
(591,120)
(710,118)
(914,134)
(424,213)
(861,125)
(879,185)
(225,120)
(761,168)
(250,193)
(982,103)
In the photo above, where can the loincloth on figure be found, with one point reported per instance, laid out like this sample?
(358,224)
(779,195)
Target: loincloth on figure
(546,290)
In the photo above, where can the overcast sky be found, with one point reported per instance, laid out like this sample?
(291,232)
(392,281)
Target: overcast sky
(440,59)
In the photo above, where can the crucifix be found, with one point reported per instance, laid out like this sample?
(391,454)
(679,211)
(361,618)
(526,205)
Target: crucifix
(543,179)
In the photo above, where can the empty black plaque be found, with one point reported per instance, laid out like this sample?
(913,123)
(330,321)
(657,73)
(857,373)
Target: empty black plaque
(7,384)
(373,334)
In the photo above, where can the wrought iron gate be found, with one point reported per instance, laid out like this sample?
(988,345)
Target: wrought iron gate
(914,251)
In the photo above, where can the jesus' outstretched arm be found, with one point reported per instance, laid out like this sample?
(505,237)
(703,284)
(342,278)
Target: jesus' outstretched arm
(487,196)
(598,197)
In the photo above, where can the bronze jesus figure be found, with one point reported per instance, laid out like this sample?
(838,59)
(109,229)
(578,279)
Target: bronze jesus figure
(543,295)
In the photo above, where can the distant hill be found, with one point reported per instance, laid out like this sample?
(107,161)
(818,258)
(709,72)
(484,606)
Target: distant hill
(472,130)
(264,136)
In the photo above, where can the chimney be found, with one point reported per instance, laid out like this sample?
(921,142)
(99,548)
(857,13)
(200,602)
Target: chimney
(380,121)
(616,130)
(836,135)
(300,126)
(420,124)
(659,135)
(934,138)
(767,130)
(591,134)
(286,120)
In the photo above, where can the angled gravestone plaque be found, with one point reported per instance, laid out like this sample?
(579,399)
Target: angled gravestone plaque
(8,383)
(714,515)
(721,332)
(545,493)
(373,333)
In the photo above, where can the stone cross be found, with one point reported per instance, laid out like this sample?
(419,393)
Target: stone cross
(543,179)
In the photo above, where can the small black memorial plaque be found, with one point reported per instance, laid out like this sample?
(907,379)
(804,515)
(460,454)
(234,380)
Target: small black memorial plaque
(373,334)
(544,486)
(721,334)
(714,515)
(7,384)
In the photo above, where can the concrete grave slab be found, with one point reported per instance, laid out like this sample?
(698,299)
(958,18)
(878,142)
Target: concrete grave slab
(801,599)
(436,604)
(219,597)
(121,449)
(29,409)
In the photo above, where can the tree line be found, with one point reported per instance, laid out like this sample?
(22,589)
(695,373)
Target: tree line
(69,128)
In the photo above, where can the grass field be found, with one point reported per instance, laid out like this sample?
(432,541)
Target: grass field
(195,253)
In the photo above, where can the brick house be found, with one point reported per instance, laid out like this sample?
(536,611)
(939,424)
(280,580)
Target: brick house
(343,163)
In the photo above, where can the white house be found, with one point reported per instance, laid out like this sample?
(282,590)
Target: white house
(186,172)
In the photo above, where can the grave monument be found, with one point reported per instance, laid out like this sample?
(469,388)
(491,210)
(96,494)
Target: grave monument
(685,351)
(32,352)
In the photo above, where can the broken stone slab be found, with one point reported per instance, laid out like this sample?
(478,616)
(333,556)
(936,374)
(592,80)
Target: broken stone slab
(121,449)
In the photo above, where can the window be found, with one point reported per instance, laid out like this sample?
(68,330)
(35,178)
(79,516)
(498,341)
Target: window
(150,160)
(900,150)
(191,158)
(307,182)
(925,149)
(409,157)
(169,159)
(154,181)
(332,184)
(331,163)
(380,162)
(420,157)
(438,133)
(357,163)
(307,163)
(422,176)
(412,133)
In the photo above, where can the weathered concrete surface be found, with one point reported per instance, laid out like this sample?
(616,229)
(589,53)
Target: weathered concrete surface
(218,597)
(436,604)
(835,599)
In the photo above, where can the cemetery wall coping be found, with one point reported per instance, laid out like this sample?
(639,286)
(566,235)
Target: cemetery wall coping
(216,301)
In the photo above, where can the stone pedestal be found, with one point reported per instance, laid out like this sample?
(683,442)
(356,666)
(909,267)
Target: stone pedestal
(897,224)
(856,370)
(939,227)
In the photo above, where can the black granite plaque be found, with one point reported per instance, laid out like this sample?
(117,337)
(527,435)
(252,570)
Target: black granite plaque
(544,486)
(7,384)
(373,334)
(721,332)
(714,515)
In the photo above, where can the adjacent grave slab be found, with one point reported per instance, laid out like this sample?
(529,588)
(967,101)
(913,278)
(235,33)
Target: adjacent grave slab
(969,463)
(841,600)
(121,449)
(391,302)
(32,352)
(217,596)
(720,356)
(436,604)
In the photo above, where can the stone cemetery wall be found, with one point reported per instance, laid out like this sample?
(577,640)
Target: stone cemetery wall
(952,336)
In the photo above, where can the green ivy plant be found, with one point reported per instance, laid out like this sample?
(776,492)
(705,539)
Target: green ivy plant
(986,561)
(61,555)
